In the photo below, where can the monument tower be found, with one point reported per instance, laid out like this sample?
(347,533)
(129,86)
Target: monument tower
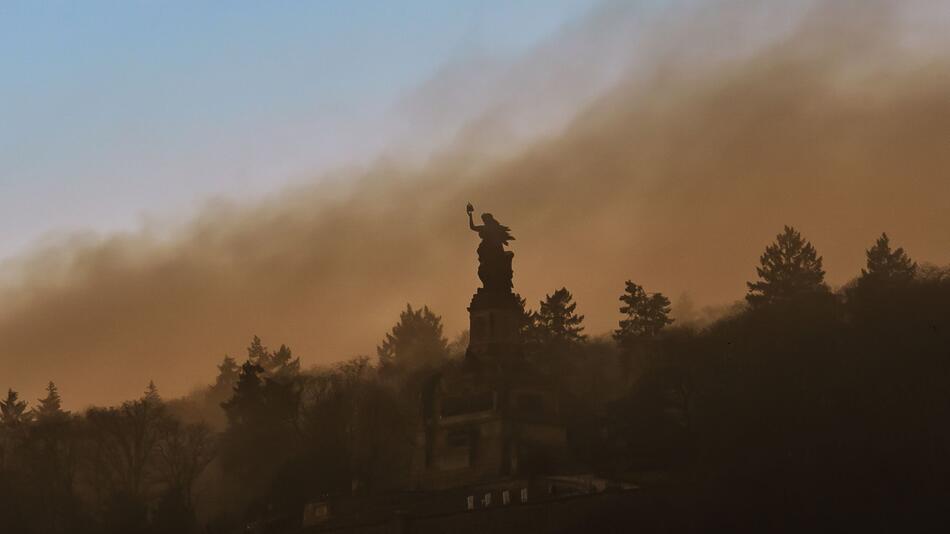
(490,416)
(495,313)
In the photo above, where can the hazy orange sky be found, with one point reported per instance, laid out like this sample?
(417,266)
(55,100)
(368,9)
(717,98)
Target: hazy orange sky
(725,122)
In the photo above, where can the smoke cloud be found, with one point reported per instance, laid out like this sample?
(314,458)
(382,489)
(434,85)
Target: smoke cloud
(705,129)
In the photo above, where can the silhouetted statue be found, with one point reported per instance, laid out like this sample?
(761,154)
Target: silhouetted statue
(494,262)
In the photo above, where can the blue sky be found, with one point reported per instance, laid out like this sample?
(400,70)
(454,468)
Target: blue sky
(113,110)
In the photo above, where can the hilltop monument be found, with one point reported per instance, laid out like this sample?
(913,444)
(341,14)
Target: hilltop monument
(495,313)
(491,416)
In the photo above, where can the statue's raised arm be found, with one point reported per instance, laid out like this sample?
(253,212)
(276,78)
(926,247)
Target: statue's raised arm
(471,223)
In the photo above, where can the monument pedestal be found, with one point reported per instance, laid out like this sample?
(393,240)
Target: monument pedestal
(494,326)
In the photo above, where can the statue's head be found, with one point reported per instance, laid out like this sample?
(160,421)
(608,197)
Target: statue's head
(487,218)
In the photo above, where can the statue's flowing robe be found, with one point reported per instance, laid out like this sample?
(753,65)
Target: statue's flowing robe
(494,262)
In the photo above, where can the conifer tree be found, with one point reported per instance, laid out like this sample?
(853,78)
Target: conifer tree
(415,341)
(645,315)
(151,393)
(12,409)
(254,425)
(247,403)
(228,372)
(790,267)
(526,317)
(282,363)
(886,266)
(50,407)
(556,322)
(257,353)
(279,363)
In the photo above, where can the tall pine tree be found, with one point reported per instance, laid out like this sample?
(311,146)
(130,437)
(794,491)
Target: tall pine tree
(887,267)
(644,315)
(279,364)
(258,416)
(12,409)
(246,406)
(228,373)
(283,365)
(790,268)
(50,407)
(556,323)
(151,394)
(416,341)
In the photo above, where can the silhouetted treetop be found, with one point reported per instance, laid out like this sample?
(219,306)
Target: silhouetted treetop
(50,406)
(151,393)
(556,322)
(283,364)
(12,409)
(790,267)
(415,341)
(887,266)
(645,315)
(246,404)
(228,372)
(256,351)
(526,319)
(280,363)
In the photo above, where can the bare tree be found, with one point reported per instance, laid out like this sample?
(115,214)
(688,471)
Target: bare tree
(125,438)
(183,452)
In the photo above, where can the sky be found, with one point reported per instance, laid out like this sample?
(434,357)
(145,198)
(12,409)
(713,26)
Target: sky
(115,114)
(178,179)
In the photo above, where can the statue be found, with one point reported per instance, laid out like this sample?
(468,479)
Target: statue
(494,262)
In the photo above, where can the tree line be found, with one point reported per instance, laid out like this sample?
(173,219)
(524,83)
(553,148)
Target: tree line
(101,470)
(802,404)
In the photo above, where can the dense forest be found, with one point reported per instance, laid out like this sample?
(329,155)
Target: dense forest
(800,405)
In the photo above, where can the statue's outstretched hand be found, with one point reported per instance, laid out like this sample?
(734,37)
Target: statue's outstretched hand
(469,208)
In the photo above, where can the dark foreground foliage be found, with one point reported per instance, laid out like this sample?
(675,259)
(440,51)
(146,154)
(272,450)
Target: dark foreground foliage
(819,411)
